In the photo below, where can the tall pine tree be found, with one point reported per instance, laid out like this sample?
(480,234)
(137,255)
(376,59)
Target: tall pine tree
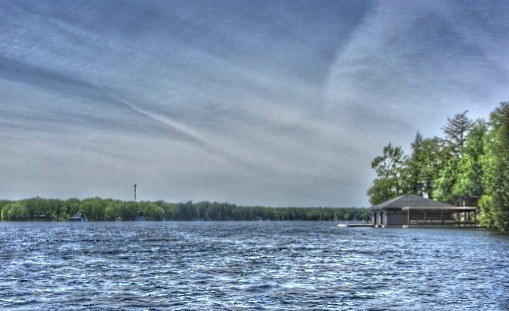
(456,132)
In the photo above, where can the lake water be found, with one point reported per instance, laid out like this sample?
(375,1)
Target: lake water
(249,266)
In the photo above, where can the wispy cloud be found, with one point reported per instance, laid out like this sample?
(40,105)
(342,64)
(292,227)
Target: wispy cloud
(275,103)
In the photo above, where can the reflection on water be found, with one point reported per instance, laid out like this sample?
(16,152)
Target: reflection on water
(250,265)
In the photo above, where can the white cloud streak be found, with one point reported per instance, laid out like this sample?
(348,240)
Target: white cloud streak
(241,103)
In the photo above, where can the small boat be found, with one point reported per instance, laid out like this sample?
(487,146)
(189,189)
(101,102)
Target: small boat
(78,217)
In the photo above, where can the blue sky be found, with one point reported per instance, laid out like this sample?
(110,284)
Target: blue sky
(279,103)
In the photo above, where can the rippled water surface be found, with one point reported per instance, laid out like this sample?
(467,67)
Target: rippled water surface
(249,265)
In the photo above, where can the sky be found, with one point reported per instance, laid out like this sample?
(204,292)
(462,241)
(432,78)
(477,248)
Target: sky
(274,103)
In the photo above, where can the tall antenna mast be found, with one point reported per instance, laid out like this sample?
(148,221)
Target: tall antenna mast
(134,192)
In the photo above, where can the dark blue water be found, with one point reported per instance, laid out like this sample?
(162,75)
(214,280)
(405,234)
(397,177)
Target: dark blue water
(249,266)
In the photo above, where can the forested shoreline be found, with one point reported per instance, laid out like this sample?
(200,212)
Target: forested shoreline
(468,166)
(97,209)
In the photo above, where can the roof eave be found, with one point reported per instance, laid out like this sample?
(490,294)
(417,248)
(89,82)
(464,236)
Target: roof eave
(441,208)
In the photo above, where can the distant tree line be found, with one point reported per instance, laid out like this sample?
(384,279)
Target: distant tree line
(469,165)
(98,209)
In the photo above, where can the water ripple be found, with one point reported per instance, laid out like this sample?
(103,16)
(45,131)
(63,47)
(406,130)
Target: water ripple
(249,266)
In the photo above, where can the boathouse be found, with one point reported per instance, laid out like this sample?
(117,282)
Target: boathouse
(413,210)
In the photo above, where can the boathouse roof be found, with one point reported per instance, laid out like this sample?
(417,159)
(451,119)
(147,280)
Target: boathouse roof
(412,201)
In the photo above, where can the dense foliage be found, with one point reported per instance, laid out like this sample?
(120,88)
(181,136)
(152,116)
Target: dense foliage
(108,209)
(468,166)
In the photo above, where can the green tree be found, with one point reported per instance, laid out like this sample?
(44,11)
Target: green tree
(93,208)
(432,159)
(415,166)
(424,165)
(469,186)
(391,173)
(111,211)
(485,202)
(70,208)
(499,120)
(456,132)
(15,211)
(2,204)
(446,181)
(150,211)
